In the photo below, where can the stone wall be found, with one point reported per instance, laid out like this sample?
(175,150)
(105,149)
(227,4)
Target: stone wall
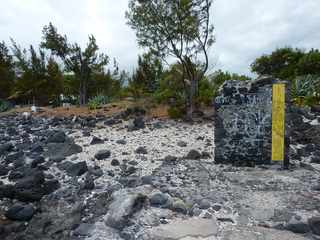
(243,122)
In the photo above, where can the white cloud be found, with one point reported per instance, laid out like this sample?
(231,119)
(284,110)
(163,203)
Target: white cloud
(245,29)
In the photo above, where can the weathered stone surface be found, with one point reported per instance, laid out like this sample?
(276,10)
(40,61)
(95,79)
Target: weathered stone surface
(243,122)
(194,228)
(123,206)
(259,233)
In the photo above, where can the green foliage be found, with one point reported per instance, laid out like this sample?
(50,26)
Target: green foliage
(40,79)
(216,79)
(7,74)
(97,102)
(309,63)
(306,90)
(288,63)
(171,86)
(4,106)
(146,78)
(83,63)
(176,112)
(175,28)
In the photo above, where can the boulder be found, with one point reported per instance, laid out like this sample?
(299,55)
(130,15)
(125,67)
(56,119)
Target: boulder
(158,199)
(95,140)
(77,169)
(6,147)
(297,226)
(141,150)
(123,207)
(57,137)
(314,224)
(115,162)
(179,206)
(194,155)
(20,212)
(33,188)
(102,154)
(62,150)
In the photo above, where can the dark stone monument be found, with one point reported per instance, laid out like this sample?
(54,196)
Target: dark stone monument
(243,122)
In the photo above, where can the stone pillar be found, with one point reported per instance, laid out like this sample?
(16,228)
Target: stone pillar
(243,122)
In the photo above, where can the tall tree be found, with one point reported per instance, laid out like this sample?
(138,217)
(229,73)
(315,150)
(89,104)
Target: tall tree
(176,28)
(7,74)
(148,74)
(39,79)
(83,63)
(281,63)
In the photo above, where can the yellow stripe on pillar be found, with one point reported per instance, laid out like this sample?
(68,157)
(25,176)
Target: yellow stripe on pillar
(278,121)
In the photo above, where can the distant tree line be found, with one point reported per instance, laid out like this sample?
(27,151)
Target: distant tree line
(176,30)
(57,67)
(301,68)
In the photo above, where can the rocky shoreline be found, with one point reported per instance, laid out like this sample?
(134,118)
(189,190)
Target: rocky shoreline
(122,177)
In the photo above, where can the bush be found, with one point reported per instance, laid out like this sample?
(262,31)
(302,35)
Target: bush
(176,112)
(5,105)
(97,102)
(306,90)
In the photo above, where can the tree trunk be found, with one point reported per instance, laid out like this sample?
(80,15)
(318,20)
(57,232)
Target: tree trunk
(192,94)
(83,93)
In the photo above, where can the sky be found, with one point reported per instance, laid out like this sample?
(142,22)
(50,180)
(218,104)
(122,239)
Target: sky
(244,29)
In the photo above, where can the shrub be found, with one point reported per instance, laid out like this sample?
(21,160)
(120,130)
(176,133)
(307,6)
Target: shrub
(5,105)
(97,102)
(306,90)
(176,112)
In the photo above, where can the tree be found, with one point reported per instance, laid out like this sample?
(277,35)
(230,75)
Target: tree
(176,28)
(148,74)
(38,79)
(83,63)
(282,63)
(7,74)
(309,63)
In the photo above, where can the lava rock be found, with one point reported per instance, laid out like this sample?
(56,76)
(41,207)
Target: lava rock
(4,148)
(141,150)
(179,206)
(115,162)
(62,150)
(88,183)
(14,175)
(102,154)
(193,155)
(33,188)
(136,124)
(297,226)
(3,170)
(57,137)
(95,140)
(182,144)
(123,207)
(314,224)
(147,180)
(20,212)
(84,229)
(37,161)
(77,169)
(170,160)
(121,141)
(158,199)
(37,148)
(204,204)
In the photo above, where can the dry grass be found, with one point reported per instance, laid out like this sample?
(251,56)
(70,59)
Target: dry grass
(153,111)
(159,111)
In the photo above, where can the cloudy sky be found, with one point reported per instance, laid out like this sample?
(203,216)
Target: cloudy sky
(244,29)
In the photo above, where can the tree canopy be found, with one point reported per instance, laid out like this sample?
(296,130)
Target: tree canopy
(7,73)
(179,29)
(83,63)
